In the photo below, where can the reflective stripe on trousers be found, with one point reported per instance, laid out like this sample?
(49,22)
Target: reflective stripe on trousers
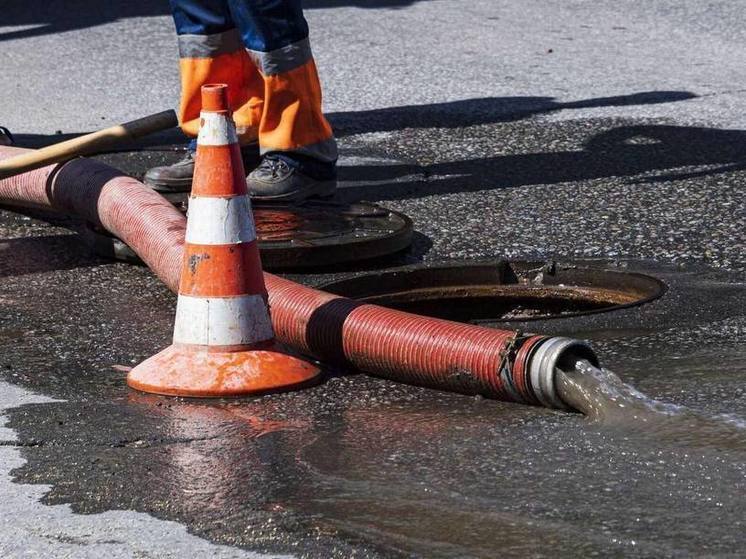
(260,48)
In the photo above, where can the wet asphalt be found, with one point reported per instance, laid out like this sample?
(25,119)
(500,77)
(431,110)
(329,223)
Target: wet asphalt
(359,465)
(643,174)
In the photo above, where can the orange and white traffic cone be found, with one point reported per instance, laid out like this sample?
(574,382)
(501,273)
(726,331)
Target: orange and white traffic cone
(223,342)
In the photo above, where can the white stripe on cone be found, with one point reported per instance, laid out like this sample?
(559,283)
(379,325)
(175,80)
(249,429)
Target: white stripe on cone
(217,130)
(240,320)
(220,221)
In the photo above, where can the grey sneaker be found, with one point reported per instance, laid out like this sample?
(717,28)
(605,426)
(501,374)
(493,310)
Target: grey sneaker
(178,176)
(6,138)
(276,181)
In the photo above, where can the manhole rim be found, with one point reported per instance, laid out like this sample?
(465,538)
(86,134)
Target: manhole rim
(593,265)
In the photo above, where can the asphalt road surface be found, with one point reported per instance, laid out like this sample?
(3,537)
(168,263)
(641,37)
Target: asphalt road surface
(612,132)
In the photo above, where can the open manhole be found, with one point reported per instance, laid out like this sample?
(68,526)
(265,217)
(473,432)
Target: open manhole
(312,234)
(490,292)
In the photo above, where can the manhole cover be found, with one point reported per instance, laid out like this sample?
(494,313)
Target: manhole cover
(482,293)
(312,234)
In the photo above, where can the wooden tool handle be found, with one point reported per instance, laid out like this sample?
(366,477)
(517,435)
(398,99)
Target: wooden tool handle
(89,143)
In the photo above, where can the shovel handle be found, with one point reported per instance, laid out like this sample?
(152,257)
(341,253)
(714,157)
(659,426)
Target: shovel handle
(89,143)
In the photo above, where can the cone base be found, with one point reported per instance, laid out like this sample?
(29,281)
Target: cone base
(198,373)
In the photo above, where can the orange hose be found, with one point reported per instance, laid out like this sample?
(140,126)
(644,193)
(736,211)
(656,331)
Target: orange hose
(393,344)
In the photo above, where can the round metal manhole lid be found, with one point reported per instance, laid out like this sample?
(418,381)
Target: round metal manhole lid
(320,233)
(500,291)
(309,235)
(312,234)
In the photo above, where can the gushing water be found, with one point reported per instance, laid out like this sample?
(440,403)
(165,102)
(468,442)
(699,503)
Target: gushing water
(605,398)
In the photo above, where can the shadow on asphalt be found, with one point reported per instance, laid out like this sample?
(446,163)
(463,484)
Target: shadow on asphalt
(451,114)
(46,18)
(485,110)
(57,17)
(621,152)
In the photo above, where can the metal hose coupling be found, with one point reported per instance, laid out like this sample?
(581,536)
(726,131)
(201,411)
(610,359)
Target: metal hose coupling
(543,359)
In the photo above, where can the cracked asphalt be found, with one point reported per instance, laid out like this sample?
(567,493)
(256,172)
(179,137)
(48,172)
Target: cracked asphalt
(605,133)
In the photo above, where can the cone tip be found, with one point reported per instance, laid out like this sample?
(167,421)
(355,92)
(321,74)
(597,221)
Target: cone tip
(215,97)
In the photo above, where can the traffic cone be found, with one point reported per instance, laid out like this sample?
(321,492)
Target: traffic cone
(223,342)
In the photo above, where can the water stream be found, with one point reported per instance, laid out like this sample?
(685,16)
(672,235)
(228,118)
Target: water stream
(605,399)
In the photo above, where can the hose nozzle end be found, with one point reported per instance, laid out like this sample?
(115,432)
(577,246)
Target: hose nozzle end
(550,354)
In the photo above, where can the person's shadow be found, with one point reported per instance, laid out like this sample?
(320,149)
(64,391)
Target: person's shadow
(37,18)
(449,114)
(483,110)
(620,152)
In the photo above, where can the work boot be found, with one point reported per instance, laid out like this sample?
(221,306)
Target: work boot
(276,180)
(6,138)
(178,176)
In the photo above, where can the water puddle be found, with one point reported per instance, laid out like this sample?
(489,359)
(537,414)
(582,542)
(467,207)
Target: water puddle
(55,531)
(605,399)
(362,467)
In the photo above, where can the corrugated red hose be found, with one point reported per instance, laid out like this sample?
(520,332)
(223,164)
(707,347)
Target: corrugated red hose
(393,344)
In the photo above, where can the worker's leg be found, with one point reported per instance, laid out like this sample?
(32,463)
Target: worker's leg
(211,51)
(297,143)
